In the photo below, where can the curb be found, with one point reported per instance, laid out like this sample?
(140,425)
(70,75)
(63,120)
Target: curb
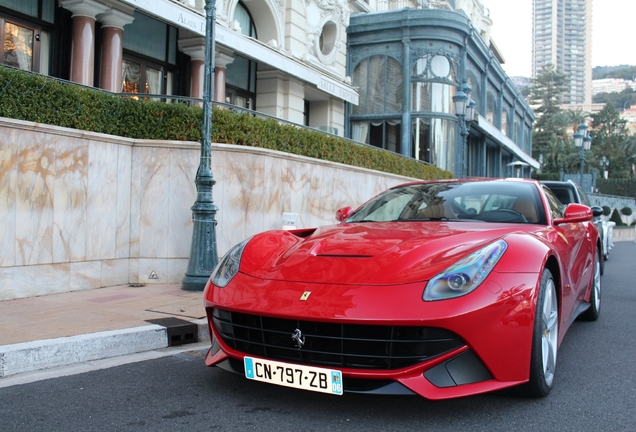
(49,353)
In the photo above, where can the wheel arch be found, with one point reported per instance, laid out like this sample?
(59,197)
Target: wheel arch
(552,264)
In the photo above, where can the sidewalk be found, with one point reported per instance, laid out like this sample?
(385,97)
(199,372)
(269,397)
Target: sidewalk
(62,329)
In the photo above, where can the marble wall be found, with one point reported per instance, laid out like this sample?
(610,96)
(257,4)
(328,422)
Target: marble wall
(81,210)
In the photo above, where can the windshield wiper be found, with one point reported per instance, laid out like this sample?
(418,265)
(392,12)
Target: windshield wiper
(434,219)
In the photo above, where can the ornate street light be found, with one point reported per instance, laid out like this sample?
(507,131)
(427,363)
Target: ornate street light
(604,165)
(465,112)
(203,255)
(583,142)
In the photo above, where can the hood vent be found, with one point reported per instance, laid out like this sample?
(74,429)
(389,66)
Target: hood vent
(343,256)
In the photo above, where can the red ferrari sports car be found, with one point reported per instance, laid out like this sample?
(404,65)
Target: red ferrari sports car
(442,289)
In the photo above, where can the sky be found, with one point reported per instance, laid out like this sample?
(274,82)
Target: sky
(613,22)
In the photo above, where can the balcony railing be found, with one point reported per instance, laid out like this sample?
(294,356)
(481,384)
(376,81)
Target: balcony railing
(385,5)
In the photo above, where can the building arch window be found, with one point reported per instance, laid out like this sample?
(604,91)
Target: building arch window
(491,107)
(240,77)
(475,94)
(244,18)
(433,84)
(376,120)
(258,19)
(150,56)
(504,122)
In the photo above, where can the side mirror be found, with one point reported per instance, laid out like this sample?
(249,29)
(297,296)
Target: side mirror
(597,211)
(575,213)
(343,213)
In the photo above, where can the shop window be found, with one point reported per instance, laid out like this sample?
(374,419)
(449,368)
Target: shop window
(145,77)
(435,141)
(385,134)
(24,46)
(150,53)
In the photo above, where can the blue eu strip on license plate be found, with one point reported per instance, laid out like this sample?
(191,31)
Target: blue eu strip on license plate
(295,376)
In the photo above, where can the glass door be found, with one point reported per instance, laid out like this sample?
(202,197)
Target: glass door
(18,46)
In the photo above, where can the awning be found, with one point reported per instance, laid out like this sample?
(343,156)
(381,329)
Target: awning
(498,137)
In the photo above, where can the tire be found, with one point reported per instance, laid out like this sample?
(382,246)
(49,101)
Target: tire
(592,313)
(545,339)
(602,262)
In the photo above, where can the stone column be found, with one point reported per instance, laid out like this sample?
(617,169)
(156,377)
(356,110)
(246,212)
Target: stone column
(113,23)
(222,60)
(195,48)
(83,45)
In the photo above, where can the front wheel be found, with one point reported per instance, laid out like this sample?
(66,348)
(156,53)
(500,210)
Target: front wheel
(592,313)
(545,339)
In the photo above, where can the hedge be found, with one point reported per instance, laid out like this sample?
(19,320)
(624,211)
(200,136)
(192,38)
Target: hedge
(37,98)
(617,187)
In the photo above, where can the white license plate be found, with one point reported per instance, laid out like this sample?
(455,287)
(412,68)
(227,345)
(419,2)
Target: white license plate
(292,375)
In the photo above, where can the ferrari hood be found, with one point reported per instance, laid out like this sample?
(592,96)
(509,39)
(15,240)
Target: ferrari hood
(366,253)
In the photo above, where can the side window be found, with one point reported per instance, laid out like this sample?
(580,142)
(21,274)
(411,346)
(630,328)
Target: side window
(583,195)
(556,208)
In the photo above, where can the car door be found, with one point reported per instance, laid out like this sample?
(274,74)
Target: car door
(574,245)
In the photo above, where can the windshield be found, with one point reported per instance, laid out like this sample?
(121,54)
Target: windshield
(486,201)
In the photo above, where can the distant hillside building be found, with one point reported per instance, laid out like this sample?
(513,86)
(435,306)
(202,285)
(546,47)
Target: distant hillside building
(611,85)
(562,36)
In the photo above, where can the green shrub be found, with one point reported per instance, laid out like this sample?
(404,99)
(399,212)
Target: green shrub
(546,176)
(627,211)
(36,98)
(606,210)
(616,218)
(618,187)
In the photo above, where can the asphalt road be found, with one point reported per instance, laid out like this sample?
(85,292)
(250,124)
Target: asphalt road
(595,390)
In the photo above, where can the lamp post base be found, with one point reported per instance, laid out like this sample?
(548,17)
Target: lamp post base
(203,255)
(194,283)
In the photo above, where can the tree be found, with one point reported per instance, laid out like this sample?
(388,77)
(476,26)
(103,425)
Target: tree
(621,100)
(546,91)
(610,138)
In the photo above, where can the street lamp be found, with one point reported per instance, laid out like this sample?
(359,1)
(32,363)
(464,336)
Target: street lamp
(465,112)
(604,165)
(203,255)
(540,162)
(583,142)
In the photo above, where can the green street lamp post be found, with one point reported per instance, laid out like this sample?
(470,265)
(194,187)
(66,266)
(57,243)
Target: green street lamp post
(203,255)
(604,166)
(465,112)
(583,142)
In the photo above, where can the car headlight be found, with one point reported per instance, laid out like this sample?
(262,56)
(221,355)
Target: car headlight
(465,275)
(228,266)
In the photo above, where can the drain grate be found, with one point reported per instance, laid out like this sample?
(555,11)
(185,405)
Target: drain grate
(180,332)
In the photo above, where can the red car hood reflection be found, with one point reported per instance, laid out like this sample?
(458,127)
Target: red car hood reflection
(368,253)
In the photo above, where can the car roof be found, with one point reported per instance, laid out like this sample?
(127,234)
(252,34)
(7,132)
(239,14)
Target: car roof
(470,179)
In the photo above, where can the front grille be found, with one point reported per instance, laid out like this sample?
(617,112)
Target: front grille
(355,346)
